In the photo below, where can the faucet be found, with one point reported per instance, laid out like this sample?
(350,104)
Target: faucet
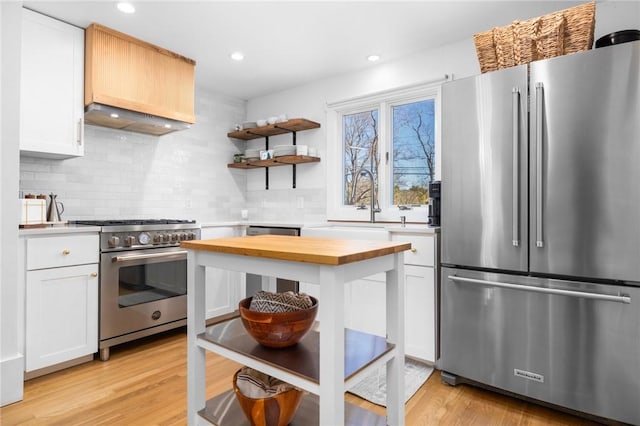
(372,209)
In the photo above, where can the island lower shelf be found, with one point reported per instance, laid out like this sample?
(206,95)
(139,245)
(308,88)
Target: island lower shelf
(224,410)
(298,365)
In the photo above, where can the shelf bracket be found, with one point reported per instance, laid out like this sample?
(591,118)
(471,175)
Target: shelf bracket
(294,175)
(293,170)
(266,169)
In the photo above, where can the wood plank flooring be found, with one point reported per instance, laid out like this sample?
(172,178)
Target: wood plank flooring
(144,383)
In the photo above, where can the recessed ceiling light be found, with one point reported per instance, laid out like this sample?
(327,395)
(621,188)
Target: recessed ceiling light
(373,58)
(237,56)
(114,115)
(167,126)
(125,7)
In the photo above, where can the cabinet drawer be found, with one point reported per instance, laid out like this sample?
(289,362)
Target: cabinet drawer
(421,252)
(53,252)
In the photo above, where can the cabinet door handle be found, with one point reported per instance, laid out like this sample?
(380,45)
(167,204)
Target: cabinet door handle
(414,250)
(93,274)
(66,252)
(80,138)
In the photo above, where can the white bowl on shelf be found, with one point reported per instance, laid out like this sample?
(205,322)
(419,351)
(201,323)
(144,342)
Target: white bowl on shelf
(261,122)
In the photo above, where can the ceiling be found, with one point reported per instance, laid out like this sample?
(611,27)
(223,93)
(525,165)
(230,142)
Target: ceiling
(290,43)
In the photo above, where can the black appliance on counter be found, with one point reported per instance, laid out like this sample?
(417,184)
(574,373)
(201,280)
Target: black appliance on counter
(434,204)
(143,277)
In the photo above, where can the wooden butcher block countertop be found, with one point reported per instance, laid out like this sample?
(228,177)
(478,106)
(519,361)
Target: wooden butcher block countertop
(324,251)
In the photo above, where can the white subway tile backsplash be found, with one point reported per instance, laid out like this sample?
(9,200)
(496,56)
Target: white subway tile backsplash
(129,175)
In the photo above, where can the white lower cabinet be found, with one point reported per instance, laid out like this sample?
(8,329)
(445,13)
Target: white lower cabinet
(365,298)
(365,303)
(61,300)
(420,320)
(61,315)
(225,288)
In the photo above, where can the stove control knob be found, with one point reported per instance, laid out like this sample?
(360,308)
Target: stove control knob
(144,238)
(191,236)
(166,238)
(129,241)
(114,241)
(157,239)
(183,236)
(175,237)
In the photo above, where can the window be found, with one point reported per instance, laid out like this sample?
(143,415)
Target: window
(360,142)
(414,151)
(384,146)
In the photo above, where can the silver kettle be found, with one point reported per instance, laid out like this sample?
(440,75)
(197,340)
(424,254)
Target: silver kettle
(56,208)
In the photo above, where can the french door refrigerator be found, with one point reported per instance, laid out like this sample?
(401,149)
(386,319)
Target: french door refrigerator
(541,231)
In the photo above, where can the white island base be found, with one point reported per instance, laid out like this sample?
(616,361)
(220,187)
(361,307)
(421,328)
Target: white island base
(327,362)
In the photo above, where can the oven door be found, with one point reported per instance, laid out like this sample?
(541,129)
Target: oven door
(142,289)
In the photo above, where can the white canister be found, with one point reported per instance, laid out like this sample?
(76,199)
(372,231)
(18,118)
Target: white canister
(302,150)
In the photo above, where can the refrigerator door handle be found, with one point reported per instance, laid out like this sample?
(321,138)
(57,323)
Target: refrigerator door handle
(557,291)
(539,112)
(515,220)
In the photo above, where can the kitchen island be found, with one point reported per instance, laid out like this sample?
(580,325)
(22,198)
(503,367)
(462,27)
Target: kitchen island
(330,263)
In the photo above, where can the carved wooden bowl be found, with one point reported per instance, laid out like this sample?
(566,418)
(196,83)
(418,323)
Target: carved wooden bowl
(279,329)
(277,410)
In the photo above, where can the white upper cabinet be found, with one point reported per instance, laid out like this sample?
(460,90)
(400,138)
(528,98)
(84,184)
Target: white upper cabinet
(51,88)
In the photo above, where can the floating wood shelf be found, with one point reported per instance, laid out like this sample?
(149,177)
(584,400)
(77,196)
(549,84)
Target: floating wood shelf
(289,126)
(285,160)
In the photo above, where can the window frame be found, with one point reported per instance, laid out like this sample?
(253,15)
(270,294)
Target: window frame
(384,102)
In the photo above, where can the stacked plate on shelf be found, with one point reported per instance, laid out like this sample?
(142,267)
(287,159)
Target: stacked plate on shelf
(282,150)
(252,154)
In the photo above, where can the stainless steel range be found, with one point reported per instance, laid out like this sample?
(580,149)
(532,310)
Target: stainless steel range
(143,277)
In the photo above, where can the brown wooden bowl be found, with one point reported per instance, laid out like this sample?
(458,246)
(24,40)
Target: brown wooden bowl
(277,329)
(277,410)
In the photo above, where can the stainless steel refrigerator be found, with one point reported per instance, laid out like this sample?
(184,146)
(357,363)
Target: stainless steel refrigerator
(541,231)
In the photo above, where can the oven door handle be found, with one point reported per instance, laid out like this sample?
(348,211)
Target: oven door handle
(167,255)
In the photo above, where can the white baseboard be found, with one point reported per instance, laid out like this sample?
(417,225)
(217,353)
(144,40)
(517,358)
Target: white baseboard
(11,380)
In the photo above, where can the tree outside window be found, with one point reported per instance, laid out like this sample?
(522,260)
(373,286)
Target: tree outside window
(413,138)
(360,151)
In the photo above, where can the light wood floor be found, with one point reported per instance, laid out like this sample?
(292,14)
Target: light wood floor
(144,383)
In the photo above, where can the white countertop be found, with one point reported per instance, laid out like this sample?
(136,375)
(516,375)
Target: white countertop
(58,229)
(253,223)
(419,228)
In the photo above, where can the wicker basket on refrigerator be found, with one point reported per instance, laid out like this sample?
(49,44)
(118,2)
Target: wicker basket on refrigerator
(559,33)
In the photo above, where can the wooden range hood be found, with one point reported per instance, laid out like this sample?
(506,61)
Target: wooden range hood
(133,85)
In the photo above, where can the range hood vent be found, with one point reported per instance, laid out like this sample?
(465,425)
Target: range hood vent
(134,85)
(124,119)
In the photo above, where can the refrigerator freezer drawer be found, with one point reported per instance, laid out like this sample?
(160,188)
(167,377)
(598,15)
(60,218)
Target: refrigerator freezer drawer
(572,344)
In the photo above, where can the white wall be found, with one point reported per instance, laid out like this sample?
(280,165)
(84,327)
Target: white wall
(11,360)
(281,202)
(129,175)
